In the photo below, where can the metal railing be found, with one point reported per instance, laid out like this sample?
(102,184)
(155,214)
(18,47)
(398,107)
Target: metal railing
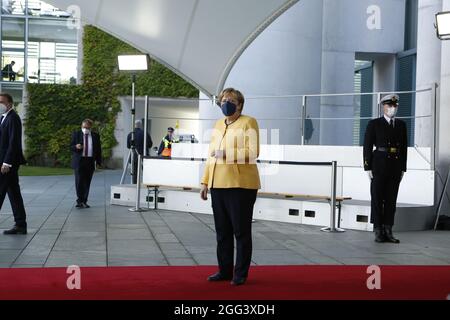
(326,119)
(333,187)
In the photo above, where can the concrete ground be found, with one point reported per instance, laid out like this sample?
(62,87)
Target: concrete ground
(105,235)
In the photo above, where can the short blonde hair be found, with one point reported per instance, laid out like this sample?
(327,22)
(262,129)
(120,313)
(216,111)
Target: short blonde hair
(239,96)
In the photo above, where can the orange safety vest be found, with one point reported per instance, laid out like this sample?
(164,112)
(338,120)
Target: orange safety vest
(167,151)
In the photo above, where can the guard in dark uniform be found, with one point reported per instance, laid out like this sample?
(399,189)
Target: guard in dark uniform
(386,165)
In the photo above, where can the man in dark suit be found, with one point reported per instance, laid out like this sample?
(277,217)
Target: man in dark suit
(139,146)
(86,154)
(11,157)
(8,71)
(386,166)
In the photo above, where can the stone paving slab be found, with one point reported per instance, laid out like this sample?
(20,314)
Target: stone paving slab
(61,235)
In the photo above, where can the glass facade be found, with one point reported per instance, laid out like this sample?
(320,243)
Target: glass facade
(38,45)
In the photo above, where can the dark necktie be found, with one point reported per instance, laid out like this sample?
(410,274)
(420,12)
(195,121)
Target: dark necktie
(86,145)
(391,124)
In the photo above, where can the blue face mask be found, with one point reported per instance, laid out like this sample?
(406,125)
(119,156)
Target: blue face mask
(228,108)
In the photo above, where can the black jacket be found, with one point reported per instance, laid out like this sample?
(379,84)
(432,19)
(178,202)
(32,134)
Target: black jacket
(77,138)
(139,141)
(11,140)
(379,134)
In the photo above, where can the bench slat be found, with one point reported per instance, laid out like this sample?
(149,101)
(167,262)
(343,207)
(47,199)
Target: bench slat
(267,194)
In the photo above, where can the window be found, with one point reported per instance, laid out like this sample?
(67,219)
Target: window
(40,8)
(13,49)
(13,7)
(411,18)
(52,59)
(406,81)
(36,44)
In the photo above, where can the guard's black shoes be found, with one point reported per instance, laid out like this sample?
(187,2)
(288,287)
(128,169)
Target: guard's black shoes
(389,236)
(238,281)
(379,235)
(16,230)
(219,277)
(79,205)
(85,205)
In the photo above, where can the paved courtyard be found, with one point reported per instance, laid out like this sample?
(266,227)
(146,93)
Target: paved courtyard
(105,235)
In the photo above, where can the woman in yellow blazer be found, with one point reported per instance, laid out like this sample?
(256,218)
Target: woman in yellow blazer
(232,176)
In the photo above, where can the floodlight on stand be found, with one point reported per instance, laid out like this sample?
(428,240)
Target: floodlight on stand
(443,25)
(133,62)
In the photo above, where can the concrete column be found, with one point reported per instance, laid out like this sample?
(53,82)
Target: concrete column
(337,65)
(428,68)
(443,158)
(80,35)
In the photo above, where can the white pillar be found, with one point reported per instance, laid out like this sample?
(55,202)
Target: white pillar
(428,68)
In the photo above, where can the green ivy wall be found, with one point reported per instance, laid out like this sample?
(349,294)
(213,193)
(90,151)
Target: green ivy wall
(55,111)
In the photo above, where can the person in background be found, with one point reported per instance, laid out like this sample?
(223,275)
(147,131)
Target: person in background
(86,155)
(8,71)
(11,157)
(165,148)
(139,146)
(232,176)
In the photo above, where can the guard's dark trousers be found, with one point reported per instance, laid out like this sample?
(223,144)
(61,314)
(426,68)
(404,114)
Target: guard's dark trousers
(83,178)
(384,191)
(233,214)
(9,183)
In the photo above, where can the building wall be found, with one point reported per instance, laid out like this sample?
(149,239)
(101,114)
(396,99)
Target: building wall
(443,157)
(433,67)
(348,29)
(284,60)
(428,66)
(311,49)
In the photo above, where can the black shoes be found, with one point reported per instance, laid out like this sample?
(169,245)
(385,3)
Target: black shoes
(16,230)
(82,206)
(379,235)
(219,277)
(238,281)
(389,236)
(384,234)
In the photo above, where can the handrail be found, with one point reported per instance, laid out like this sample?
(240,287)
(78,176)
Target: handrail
(296,95)
(294,163)
(284,118)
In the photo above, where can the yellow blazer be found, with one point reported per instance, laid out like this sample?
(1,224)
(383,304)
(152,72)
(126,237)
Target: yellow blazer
(239,144)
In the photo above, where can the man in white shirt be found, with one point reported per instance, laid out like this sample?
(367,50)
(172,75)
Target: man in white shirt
(86,154)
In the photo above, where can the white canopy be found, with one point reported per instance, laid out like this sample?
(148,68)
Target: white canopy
(198,39)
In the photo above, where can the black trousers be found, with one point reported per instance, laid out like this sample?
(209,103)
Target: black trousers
(83,178)
(135,172)
(384,192)
(233,214)
(9,183)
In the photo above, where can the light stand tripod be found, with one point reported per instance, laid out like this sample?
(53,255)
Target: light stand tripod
(137,207)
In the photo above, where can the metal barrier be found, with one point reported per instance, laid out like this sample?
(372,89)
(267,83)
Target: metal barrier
(332,200)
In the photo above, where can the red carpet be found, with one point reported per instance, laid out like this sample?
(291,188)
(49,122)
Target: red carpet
(265,283)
